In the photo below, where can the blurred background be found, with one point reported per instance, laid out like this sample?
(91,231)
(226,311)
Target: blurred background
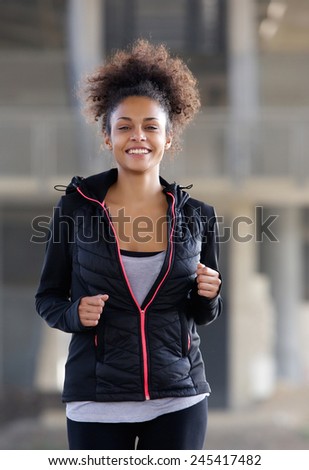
(246,154)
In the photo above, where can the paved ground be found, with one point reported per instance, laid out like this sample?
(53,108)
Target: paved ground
(279,423)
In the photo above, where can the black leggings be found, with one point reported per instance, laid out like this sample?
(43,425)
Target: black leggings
(184,429)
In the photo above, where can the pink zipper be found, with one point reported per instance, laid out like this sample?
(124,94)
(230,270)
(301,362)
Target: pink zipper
(142,312)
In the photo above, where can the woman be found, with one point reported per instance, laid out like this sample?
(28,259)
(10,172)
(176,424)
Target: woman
(131,268)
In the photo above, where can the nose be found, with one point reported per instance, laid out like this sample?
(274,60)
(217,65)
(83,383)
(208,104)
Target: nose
(138,136)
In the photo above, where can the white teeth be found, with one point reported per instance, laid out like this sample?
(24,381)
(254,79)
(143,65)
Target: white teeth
(138,151)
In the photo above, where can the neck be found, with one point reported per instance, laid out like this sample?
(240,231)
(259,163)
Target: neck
(138,187)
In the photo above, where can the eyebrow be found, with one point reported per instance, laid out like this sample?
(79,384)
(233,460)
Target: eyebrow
(145,119)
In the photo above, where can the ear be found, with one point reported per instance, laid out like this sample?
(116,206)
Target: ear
(107,141)
(168,142)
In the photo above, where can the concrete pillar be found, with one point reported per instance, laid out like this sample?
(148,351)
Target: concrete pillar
(85,36)
(51,361)
(242,83)
(242,46)
(283,261)
(251,338)
(86,47)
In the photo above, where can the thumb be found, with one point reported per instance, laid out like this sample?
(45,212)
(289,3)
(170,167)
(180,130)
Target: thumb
(103,297)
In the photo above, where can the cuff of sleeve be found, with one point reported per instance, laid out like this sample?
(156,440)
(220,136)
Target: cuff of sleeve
(72,318)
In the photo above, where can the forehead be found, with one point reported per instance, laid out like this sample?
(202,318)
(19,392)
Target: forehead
(139,107)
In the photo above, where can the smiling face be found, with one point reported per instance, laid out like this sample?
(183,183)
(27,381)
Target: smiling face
(138,136)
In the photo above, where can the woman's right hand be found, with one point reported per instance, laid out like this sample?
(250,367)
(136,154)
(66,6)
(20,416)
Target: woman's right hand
(90,309)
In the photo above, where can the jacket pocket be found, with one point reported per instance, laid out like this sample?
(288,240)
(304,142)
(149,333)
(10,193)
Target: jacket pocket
(99,342)
(185,335)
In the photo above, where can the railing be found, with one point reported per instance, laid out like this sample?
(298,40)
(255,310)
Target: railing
(53,144)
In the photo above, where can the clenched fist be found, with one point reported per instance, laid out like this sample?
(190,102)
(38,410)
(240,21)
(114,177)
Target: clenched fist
(90,309)
(208,281)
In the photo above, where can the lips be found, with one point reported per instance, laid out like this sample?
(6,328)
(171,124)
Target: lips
(138,151)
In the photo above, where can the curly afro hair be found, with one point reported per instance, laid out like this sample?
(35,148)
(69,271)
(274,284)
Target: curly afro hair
(147,70)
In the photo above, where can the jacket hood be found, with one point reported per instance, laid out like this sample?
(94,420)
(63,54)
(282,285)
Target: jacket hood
(96,186)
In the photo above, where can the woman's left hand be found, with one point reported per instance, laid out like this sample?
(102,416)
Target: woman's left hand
(208,281)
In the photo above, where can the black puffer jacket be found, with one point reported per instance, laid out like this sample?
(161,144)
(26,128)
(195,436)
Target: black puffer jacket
(136,352)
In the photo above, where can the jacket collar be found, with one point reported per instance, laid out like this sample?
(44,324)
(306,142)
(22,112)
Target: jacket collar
(96,186)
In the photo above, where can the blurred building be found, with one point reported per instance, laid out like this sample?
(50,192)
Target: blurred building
(246,154)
